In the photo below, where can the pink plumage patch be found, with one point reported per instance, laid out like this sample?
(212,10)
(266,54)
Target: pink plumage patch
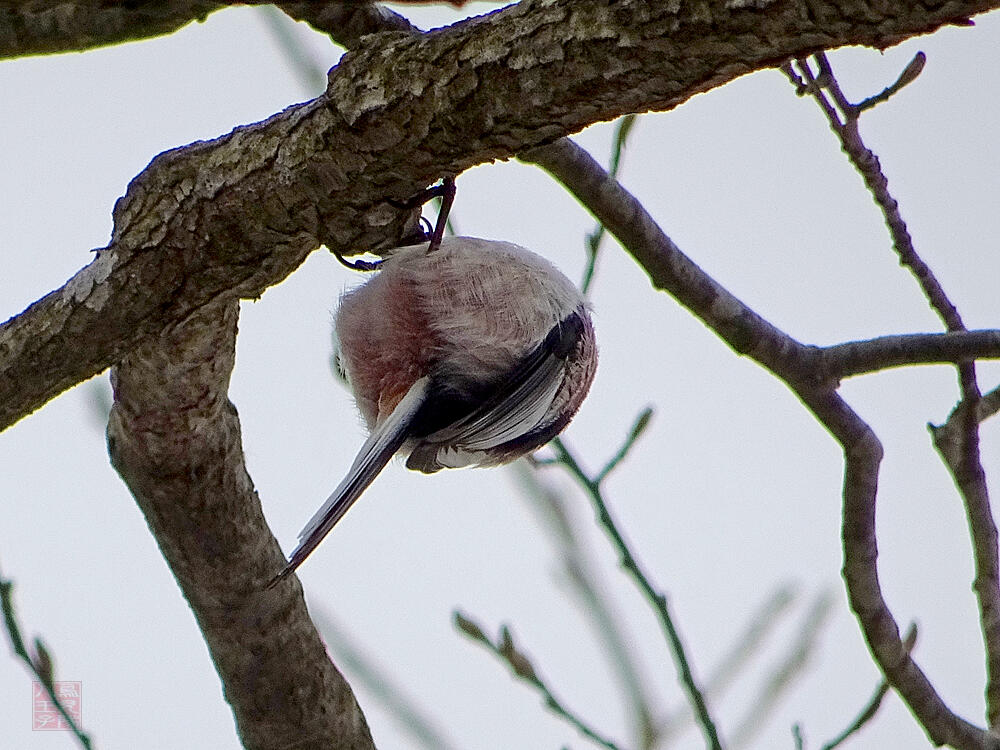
(471,354)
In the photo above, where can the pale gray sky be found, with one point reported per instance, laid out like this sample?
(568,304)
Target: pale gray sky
(733,491)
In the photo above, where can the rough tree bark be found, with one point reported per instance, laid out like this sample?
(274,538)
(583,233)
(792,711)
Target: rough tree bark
(207,224)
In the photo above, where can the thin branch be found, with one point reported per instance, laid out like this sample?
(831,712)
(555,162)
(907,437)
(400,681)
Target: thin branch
(654,596)
(620,138)
(757,629)
(843,120)
(884,352)
(965,462)
(958,445)
(668,268)
(781,677)
(748,333)
(874,703)
(582,578)
(299,58)
(639,426)
(862,456)
(746,645)
(523,669)
(909,74)
(41,666)
(797,738)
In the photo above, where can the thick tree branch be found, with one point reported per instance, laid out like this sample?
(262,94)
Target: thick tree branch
(174,437)
(235,215)
(42,27)
(796,365)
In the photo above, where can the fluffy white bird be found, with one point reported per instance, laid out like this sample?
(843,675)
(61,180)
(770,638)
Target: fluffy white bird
(469,352)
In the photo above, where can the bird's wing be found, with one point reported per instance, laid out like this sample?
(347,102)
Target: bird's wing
(516,408)
(383,443)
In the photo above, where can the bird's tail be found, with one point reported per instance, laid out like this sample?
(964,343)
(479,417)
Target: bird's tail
(385,440)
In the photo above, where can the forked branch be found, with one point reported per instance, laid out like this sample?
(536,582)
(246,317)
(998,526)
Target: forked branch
(797,365)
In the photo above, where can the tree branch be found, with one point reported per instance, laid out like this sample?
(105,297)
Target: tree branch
(608,626)
(792,362)
(522,667)
(780,678)
(656,598)
(232,216)
(43,27)
(874,703)
(346,22)
(40,665)
(669,269)
(885,352)
(964,460)
(174,437)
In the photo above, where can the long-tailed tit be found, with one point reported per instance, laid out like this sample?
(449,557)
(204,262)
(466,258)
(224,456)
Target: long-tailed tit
(460,352)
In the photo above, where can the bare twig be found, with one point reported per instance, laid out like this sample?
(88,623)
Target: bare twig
(909,74)
(958,445)
(580,573)
(781,677)
(638,427)
(749,334)
(523,669)
(744,646)
(964,460)
(41,666)
(756,631)
(362,667)
(872,706)
(843,118)
(797,737)
(631,565)
(622,131)
(749,641)
(307,68)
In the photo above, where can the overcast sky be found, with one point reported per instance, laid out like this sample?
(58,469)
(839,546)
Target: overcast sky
(732,493)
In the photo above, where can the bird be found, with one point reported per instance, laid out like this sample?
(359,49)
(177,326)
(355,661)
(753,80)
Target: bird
(460,351)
